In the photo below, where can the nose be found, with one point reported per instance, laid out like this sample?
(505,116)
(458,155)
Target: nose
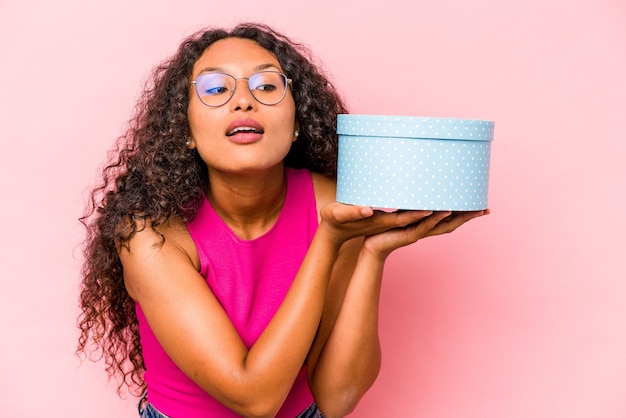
(242,97)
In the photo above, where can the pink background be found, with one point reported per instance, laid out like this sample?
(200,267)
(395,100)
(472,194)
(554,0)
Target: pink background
(520,314)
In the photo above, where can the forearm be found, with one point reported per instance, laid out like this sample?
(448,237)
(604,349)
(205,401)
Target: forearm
(296,321)
(350,359)
(281,349)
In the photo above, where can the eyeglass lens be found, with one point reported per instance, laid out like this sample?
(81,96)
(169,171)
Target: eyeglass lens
(215,89)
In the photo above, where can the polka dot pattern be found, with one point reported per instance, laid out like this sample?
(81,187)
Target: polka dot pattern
(413,162)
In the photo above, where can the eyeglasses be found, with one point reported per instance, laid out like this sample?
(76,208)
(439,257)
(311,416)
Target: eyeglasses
(216,89)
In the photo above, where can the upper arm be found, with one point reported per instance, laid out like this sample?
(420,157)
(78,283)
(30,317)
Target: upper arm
(183,313)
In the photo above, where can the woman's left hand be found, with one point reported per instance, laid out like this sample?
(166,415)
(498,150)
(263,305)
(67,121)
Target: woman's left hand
(381,245)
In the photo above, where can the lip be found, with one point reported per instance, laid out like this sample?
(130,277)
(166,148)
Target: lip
(245,137)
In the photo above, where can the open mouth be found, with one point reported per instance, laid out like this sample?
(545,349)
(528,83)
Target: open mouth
(244,129)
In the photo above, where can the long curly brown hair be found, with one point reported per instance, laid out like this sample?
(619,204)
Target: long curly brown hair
(152,174)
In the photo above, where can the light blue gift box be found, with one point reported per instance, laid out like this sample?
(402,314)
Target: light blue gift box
(406,162)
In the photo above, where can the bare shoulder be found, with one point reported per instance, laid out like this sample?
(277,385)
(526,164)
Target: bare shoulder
(149,238)
(150,246)
(325,190)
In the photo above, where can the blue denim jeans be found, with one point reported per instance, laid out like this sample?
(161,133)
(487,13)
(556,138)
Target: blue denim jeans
(146,410)
(311,412)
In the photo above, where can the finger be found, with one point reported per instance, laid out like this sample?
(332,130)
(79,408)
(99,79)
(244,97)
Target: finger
(342,213)
(423,228)
(405,217)
(408,234)
(436,218)
(455,221)
(416,230)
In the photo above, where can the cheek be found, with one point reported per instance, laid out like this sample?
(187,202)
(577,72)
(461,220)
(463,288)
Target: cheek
(201,123)
(193,112)
(288,119)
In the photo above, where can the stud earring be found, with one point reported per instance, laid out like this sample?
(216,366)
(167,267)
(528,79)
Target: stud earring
(188,143)
(295,134)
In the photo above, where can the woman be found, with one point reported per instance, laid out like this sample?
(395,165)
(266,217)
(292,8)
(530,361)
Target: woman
(220,274)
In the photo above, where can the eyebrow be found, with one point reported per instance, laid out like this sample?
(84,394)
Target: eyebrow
(223,70)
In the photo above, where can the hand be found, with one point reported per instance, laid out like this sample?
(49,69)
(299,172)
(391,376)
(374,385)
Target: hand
(341,222)
(382,244)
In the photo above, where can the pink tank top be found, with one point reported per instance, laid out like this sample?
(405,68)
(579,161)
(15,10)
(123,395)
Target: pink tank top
(250,278)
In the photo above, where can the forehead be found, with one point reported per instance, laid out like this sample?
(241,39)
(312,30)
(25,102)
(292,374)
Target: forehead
(235,56)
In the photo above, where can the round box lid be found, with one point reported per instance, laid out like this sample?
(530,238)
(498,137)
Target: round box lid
(415,127)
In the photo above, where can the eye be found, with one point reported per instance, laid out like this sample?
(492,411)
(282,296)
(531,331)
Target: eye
(213,84)
(266,87)
(266,82)
(214,91)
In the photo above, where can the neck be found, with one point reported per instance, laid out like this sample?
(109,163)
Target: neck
(249,203)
